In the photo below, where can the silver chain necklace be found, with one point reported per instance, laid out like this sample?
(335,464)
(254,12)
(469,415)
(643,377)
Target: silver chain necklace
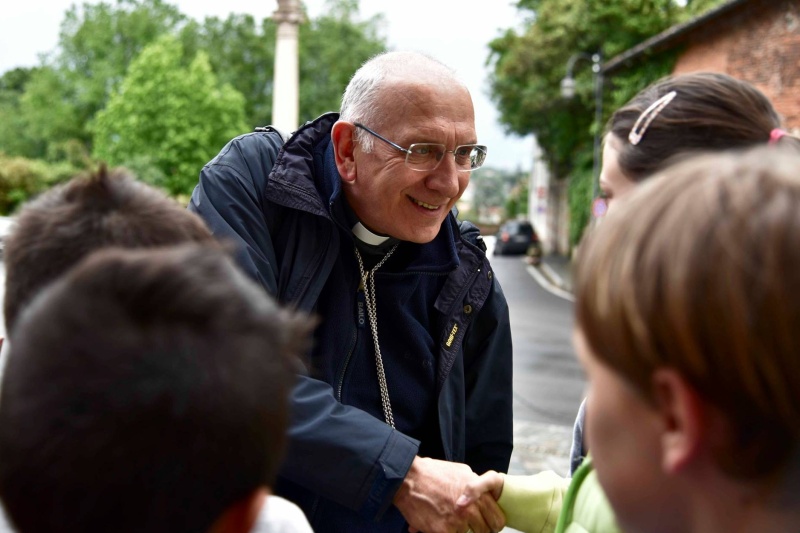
(368,286)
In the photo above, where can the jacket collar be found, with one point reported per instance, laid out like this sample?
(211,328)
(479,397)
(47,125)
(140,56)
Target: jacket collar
(297,179)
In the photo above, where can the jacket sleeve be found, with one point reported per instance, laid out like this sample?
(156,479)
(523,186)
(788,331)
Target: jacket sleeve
(532,504)
(336,451)
(488,375)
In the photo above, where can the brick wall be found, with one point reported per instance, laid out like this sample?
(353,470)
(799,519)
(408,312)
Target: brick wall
(759,43)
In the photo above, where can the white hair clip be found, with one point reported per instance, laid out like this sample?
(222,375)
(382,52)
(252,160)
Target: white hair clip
(647,116)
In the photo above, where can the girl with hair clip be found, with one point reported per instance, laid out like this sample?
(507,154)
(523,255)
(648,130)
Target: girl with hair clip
(676,117)
(683,115)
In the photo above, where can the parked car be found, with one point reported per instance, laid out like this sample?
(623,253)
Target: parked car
(517,237)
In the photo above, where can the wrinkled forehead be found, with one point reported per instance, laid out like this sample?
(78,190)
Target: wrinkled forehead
(427,108)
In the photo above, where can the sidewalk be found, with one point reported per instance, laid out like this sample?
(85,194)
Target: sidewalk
(558,271)
(539,446)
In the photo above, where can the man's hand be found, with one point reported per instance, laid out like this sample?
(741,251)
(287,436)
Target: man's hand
(427,499)
(491,482)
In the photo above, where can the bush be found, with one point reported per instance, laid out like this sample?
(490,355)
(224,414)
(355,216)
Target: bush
(21,179)
(580,197)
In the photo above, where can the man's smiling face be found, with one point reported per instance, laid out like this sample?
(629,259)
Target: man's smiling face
(388,197)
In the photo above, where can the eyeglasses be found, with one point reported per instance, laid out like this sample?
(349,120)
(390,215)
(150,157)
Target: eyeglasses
(424,157)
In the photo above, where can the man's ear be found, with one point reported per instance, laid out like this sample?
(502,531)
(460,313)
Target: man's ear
(242,515)
(683,415)
(344,145)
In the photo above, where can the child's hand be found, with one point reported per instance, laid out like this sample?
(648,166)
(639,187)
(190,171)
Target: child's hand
(491,482)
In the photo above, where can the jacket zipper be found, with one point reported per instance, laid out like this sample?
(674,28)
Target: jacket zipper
(346,364)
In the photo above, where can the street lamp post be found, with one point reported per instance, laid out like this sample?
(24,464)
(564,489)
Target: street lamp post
(568,91)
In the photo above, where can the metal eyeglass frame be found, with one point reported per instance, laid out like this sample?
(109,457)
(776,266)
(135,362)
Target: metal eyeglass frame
(408,152)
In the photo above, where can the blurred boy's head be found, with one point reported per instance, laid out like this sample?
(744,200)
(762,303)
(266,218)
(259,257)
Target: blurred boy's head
(63,225)
(145,391)
(687,323)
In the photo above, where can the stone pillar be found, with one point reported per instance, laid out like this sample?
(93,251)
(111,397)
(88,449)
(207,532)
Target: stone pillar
(285,88)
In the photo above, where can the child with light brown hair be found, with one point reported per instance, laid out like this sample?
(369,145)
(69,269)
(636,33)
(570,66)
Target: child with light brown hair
(688,326)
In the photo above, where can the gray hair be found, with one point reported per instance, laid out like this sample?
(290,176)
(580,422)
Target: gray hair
(360,102)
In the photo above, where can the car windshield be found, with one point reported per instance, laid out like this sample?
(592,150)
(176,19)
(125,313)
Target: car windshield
(519,228)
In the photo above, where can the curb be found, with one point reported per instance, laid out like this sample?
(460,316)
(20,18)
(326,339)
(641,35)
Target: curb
(554,277)
(547,284)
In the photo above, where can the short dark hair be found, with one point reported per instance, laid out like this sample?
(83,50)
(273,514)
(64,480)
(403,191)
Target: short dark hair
(710,112)
(62,226)
(145,390)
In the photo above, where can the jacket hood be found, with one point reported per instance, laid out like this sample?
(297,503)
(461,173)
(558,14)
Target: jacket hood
(291,182)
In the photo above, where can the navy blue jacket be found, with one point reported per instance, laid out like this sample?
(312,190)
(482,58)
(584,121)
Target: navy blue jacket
(273,202)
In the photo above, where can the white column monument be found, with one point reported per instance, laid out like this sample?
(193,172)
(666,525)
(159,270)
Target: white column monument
(285,87)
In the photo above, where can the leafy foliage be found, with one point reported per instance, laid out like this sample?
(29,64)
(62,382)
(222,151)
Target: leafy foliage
(21,178)
(580,196)
(14,136)
(179,116)
(332,47)
(242,54)
(529,64)
(48,111)
(97,43)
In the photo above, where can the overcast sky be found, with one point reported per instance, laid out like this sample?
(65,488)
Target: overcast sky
(455,31)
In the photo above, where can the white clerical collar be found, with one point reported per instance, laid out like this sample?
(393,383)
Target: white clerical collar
(368,237)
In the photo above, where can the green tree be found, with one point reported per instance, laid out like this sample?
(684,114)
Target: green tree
(47,116)
(177,116)
(14,137)
(332,47)
(528,65)
(98,42)
(48,111)
(242,53)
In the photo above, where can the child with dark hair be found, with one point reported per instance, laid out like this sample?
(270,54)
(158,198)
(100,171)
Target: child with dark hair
(63,225)
(147,391)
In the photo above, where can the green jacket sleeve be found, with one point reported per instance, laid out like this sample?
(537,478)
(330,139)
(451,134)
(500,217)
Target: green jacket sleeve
(585,508)
(532,503)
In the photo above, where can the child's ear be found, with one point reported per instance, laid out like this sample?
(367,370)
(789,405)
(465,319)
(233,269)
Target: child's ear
(683,415)
(343,138)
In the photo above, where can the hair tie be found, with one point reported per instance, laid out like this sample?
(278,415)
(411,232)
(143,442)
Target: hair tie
(775,135)
(647,116)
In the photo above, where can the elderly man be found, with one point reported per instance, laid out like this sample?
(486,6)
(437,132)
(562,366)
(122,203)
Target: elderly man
(409,393)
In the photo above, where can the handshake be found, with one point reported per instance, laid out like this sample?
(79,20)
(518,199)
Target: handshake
(443,497)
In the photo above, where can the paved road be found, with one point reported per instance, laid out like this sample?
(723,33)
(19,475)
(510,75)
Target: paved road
(548,381)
